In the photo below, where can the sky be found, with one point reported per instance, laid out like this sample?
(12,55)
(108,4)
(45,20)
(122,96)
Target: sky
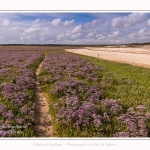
(74,28)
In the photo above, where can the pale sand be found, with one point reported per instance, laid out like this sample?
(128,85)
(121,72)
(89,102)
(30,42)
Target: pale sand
(43,126)
(134,56)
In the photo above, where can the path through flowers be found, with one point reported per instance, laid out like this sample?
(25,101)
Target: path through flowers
(43,127)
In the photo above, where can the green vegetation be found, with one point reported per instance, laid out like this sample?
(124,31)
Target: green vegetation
(126,82)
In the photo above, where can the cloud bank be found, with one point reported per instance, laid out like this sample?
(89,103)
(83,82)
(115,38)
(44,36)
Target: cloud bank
(74,28)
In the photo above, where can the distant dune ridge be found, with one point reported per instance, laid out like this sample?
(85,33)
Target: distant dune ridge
(139,56)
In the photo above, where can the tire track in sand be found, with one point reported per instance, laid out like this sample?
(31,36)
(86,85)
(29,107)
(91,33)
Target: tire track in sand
(43,126)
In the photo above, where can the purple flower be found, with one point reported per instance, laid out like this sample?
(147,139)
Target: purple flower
(121,134)
(8,114)
(20,120)
(24,109)
(141,108)
(2,108)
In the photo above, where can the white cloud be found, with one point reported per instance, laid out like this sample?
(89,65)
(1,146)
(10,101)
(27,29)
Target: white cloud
(100,36)
(51,41)
(14,41)
(6,22)
(68,33)
(60,36)
(31,29)
(36,20)
(42,39)
(94,23)
(68,23)
(91,34)
(148,22)
(114,34)
(141,31)
(1,37)
(13,28)
(131,19)
(132,35)
(76,35)
(77,29)
(59,22)
(17,29)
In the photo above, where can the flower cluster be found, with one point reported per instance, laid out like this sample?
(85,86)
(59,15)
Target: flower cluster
(79,103)
(77,84)
(16,91)
(134,122)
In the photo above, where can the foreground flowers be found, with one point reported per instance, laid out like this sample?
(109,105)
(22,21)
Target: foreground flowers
(79,104)
(17,93)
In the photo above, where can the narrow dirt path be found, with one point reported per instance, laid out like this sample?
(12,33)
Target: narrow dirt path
(43,126)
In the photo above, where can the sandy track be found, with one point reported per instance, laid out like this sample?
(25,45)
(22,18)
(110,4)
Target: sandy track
(43,127)
(134,56)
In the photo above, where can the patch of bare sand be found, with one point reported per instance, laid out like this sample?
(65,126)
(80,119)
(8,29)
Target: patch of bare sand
(134,56)
(43,126)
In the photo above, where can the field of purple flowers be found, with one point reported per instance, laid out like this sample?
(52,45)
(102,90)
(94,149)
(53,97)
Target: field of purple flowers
(78,98)
(79,104)
(17,92)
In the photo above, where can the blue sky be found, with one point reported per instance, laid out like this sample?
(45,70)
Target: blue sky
(74,28)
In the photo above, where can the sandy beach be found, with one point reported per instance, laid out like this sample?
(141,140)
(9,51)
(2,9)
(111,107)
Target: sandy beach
(135,56)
